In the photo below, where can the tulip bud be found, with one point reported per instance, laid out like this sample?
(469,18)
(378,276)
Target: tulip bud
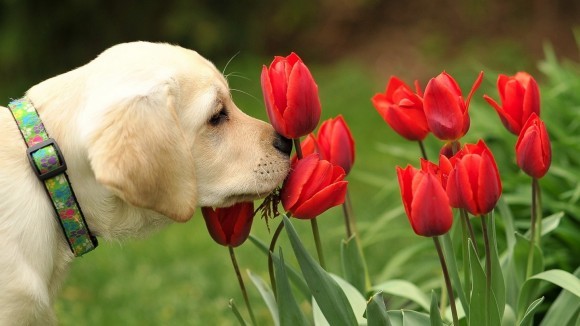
(312,187)
(473,180)
(446,112)
(402,110)
(533,148)
(229,226)
(519,96)
(291,96)
(425,201)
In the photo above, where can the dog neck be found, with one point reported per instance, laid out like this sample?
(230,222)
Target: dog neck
(49,166)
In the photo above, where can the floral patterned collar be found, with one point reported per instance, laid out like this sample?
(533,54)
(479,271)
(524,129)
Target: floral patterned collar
(49,165)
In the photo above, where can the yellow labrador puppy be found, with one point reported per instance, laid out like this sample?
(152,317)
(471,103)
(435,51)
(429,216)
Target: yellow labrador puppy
(149,132)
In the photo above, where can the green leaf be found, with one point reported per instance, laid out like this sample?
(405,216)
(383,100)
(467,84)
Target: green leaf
(267,296)
(563,309)
(520,256)
(236,312)
(549,224)
(497,280)
(353,264)
(376,312)
(289,312)
(482,312)
(563,279)
(509,317)
(404,289)
(508,222)
(356,300)
(328,294)
(434,313)
(477,311)
(528,315)
(448,252)
(408,318)
(294,276)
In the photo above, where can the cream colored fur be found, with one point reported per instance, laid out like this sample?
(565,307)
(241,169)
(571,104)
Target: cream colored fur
(134,127)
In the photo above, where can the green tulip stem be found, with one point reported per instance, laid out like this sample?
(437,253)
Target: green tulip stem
(447,280)
(298,148)
(487,266)
(423,151)
(347,211)
(242,286)
(535,226)
(537,202)
(317,242)
(271,252)
(465,218)
(465,252)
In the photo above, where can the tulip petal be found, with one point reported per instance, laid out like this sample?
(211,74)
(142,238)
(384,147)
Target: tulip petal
(213,225)
(464,188)
(296,180)
(410,123)
(443,110)
(243,223)
(336,143)
(501,82)
(393,84)
(533,148)
(531,100)
(272,110)
(330,196)
(489,184)
(474,87)
(321,177)
(405,178)
(508,122)
(303,111)
(279,82)
(431,213)
(513,102)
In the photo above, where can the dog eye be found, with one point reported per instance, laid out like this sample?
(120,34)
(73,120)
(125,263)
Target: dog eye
(219,117)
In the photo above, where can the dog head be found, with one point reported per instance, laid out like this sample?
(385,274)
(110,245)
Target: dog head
(165,134)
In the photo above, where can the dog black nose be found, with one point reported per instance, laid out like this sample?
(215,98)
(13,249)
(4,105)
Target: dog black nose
(282,144)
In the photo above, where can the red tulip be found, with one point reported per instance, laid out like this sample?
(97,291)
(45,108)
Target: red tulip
(533,148)
(291,96)
(229,226)
(473,180)
(520,97)
(312,187)
(426,203)
(334,143)
(446,112)
(402,110)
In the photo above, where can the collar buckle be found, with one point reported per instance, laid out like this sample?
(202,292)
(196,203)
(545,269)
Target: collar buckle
(46,159)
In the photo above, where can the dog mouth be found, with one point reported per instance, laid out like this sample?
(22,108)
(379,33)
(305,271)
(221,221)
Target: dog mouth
(246,197)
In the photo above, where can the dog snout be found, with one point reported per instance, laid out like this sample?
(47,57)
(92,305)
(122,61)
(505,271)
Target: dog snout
(282,144)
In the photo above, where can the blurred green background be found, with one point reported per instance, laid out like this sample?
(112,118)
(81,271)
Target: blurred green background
(179,276)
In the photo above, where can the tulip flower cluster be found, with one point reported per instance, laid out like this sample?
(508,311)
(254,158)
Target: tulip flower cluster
(315,184)
(466,178)
(469,176)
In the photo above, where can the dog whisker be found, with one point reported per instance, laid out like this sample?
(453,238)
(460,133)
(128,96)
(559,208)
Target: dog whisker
(236,74)
(228,63)
(246,93)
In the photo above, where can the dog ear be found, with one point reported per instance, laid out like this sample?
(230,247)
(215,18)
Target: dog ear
(141,154)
